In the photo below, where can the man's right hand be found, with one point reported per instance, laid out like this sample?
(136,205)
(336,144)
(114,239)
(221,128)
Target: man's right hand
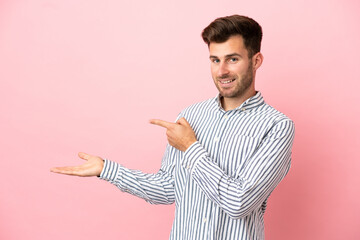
(92,167)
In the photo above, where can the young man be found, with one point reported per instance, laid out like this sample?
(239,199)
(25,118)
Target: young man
(225,155)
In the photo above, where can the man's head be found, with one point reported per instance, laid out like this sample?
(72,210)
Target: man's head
(234,46)
(221,29)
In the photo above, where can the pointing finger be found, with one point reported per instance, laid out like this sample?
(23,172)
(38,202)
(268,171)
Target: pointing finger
(161,123)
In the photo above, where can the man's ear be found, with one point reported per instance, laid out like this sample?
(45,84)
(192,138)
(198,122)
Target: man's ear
(257,60)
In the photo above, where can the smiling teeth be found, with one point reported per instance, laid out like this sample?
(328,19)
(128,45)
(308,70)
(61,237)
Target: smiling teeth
(228,81)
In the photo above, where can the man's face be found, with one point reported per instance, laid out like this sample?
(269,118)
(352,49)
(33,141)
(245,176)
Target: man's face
(231,68)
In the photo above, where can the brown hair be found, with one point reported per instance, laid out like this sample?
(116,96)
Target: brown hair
(221,29)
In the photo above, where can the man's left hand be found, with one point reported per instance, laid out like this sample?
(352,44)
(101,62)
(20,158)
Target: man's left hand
(180,134)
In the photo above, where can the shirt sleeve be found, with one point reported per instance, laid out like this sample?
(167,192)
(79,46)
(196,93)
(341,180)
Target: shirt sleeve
(255,180)
(154,188)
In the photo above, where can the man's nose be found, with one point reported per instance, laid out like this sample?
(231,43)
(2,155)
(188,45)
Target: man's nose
(223,69)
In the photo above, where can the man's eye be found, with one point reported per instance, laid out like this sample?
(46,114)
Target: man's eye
(233,60)
(215,60)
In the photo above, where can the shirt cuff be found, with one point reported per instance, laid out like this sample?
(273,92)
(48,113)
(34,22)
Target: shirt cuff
(192,155)
(109,171)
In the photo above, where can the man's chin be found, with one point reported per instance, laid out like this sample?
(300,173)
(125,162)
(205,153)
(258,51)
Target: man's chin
(228,93)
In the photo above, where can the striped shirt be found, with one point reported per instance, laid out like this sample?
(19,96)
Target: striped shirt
(221,183)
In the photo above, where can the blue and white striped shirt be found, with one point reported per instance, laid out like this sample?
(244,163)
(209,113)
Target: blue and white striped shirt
(221,184)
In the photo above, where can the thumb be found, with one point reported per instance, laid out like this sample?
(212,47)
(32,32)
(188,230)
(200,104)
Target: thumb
(182,121)
(84,156)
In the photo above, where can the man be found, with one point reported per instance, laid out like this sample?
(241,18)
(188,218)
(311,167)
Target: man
(225,155)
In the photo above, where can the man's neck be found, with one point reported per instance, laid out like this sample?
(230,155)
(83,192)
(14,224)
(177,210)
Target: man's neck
(232,103)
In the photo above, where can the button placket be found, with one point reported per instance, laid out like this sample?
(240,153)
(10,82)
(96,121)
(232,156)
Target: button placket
(222,125)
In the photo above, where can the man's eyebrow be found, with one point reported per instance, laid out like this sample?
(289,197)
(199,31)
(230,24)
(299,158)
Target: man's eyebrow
(227,56)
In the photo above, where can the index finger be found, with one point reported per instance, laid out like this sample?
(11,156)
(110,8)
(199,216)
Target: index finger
(161,123)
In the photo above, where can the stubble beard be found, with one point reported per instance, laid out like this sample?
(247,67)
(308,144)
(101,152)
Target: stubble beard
(241,87)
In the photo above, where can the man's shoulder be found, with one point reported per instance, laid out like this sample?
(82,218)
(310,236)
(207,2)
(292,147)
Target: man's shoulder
(211,105)
(272,113)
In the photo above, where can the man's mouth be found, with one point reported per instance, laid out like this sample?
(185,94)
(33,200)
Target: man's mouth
(227,81)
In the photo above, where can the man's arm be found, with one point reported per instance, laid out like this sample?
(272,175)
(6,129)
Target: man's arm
(258,177)
(154,188)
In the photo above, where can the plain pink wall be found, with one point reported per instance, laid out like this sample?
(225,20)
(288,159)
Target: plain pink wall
(87,76)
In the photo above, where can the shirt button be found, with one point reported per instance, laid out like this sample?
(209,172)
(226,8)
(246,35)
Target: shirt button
(243,109)
(188,166)
(216,139)
(226,116)
(204,220)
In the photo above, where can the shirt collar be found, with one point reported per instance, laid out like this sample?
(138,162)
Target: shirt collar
(252,102)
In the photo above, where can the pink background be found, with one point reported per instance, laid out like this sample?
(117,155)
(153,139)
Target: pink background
(87,75)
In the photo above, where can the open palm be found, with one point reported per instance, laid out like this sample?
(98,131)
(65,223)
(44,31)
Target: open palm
(92,167)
